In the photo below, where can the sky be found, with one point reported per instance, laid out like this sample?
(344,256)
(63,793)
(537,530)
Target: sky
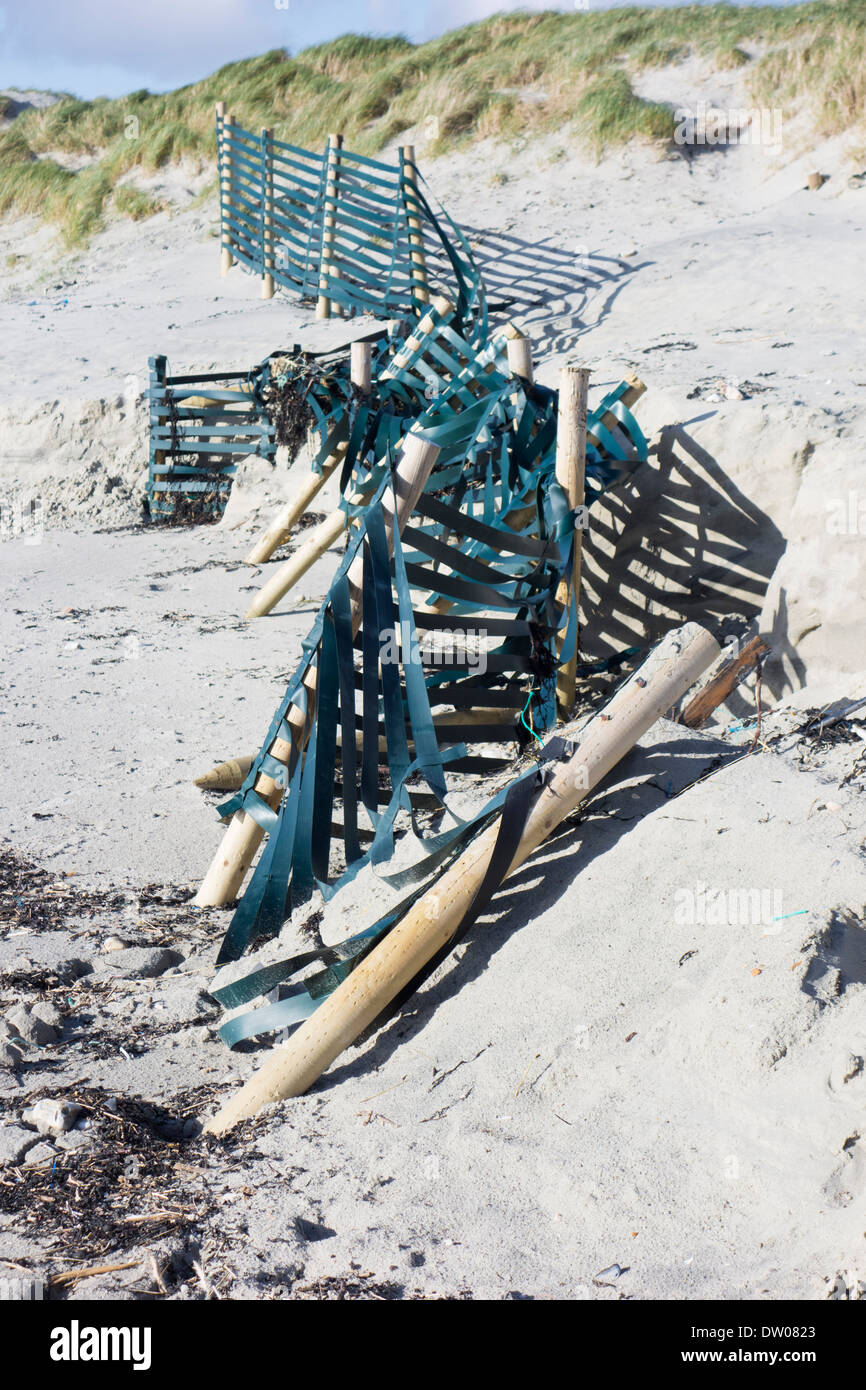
(110,47)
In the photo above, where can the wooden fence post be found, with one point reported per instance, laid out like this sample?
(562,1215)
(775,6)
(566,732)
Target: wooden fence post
(409,181)
(324,306)
(267,219)
(519,349)
(361,366)
(570,472)
(224,156)
(158,367)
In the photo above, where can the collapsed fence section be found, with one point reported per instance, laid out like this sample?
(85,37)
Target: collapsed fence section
(200,428)
(352,234)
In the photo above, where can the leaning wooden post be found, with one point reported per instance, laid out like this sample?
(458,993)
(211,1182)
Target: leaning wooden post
(281,527)
(324,306)
(302,559)
(267,223)
(570,473)
(323,537)
(224,156)
(409,192)
(243,836)
(361,360)
(675,664)
(445,309)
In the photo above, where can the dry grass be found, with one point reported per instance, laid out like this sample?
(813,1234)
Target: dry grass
(576,70)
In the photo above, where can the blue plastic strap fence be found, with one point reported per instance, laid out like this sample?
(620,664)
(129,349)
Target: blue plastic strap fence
(354,230)
(481,412)
(396,705)
(200,428)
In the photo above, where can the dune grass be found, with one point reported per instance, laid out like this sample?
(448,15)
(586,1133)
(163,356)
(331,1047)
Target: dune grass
(469,84)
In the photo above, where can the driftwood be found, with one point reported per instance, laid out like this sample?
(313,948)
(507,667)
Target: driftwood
(720,685)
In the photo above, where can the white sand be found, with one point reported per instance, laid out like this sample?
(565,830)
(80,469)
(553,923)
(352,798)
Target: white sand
(592,1079)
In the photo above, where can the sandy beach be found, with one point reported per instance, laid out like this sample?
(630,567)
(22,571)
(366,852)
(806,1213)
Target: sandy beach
(649,1053)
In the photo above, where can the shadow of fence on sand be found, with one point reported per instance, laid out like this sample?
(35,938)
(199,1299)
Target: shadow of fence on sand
(677,542)
(558,293)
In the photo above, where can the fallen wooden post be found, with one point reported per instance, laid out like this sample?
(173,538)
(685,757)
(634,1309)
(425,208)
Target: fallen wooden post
(333,526)
(244,834)
(288,574)
(281,527)
(719,687)
(229,776)
(674,665)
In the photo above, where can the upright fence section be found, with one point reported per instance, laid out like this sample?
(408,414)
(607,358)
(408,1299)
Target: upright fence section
(200,428)
(351,233)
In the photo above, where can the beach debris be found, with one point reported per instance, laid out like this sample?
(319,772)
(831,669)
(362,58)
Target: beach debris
(722,681)
(814,181)
(52,1117)
(65,1277)
(816,726)
(604,1278)
(128,1185)
(857,180)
